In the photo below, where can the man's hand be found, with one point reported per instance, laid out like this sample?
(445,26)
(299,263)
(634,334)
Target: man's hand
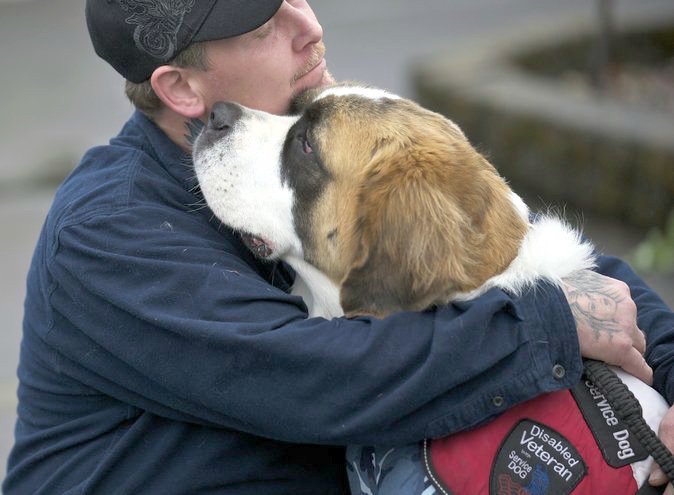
(666,434)
(606,321)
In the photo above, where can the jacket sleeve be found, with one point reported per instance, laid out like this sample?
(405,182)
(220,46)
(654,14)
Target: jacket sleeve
(160,312)
(655,318)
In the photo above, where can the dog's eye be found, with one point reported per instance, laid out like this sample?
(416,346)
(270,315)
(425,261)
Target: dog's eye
(306,145)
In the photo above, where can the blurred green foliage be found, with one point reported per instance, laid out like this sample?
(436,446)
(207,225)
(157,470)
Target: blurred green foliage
(655,253)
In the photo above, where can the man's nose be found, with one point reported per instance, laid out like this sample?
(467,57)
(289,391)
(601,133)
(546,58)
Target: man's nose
(306,28)
(224,115)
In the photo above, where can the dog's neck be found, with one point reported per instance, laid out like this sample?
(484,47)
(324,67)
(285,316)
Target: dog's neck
(320,294)
(550,251)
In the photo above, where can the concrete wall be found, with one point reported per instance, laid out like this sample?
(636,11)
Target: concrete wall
(553,142)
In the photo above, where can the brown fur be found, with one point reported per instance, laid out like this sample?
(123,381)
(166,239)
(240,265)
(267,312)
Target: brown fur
(416,214)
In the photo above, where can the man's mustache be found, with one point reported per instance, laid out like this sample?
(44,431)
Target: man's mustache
(317,54)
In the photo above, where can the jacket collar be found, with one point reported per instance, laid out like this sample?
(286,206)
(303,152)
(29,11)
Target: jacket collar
(177,162)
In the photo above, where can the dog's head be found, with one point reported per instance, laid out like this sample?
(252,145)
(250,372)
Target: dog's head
(385,197)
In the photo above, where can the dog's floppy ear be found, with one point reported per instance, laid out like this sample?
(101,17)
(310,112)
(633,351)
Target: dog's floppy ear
(422,228)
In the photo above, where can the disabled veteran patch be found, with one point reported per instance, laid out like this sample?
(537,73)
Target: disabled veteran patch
(534,459)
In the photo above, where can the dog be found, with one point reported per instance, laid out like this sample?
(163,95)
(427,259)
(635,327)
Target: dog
(357,180)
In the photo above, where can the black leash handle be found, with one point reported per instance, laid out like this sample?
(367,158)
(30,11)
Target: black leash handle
(627,408)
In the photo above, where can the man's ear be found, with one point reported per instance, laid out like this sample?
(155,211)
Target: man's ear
(178,91)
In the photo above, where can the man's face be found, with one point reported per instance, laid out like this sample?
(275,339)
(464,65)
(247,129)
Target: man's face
(266,68)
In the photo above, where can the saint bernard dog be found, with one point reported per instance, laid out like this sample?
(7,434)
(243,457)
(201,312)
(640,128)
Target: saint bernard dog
(380,205)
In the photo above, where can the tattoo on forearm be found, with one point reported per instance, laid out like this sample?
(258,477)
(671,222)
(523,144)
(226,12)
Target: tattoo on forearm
(593,304)
(193,127)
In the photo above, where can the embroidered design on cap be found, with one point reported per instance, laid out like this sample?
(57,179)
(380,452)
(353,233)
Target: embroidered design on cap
(157,24)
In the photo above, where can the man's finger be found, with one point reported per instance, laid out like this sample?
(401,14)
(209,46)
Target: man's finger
(669,490)
(635,364)
(658,476)
(640,341)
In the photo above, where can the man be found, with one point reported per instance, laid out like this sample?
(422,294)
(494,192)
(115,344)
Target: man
(159,356)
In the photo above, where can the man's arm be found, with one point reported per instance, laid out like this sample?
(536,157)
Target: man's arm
(168,318)
(657,322)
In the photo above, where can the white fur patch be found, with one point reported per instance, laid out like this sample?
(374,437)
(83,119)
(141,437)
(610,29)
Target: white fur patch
(369,93)
(520,205)
(319,293)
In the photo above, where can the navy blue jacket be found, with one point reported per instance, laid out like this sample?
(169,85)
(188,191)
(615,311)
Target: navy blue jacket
(159,357)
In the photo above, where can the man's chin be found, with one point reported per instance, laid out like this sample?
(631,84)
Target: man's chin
(314,79)
(326,80)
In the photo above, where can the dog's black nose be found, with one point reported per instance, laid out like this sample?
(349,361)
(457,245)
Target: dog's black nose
(224,115)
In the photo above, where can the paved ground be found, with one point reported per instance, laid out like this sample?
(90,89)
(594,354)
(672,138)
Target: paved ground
(58,99)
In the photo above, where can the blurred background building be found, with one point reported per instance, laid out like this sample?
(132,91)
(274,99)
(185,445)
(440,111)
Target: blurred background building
(58,99)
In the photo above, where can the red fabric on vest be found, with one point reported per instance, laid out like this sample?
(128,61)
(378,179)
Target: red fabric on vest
(463,462)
